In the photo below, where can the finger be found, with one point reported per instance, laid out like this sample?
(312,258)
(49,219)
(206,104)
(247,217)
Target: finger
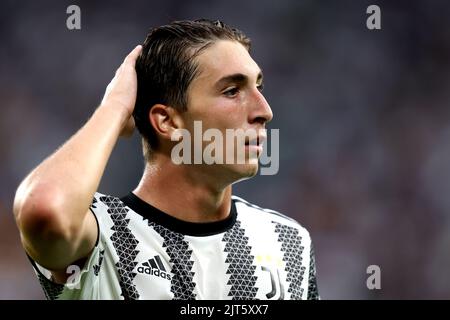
(133,55)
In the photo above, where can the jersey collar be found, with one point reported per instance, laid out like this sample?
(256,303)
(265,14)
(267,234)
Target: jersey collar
(184,227)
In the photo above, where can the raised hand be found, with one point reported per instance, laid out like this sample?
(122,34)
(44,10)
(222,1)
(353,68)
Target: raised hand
(121,91)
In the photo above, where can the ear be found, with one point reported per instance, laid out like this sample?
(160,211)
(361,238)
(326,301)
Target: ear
(165,120)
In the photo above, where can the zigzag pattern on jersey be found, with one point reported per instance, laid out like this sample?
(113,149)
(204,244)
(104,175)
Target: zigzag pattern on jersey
(313,292)
(51,289)
(125,244)
(241,269)
(182,284)
(291,245)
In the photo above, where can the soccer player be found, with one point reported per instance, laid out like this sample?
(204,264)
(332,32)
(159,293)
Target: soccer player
(180,234)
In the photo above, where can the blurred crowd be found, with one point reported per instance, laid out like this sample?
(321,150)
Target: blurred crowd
(364,121)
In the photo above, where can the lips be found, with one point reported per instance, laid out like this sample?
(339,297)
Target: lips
(259,140)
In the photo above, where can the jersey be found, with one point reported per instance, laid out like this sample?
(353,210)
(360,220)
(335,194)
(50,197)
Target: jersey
(144,253)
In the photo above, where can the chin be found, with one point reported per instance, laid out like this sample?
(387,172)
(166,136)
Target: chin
(246,171)
(238,172)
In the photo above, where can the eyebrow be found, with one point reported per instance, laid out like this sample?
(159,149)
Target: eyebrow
(238,78)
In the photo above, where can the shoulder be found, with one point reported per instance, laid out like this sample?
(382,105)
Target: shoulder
(104,199)
(102,202)
(245,207)
(282,222)
(107,208)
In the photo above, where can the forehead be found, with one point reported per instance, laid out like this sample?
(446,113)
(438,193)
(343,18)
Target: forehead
(223,58)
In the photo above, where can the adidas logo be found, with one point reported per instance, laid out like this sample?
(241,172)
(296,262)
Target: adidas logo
(154,267)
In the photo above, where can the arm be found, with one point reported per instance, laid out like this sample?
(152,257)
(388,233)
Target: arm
(52,203)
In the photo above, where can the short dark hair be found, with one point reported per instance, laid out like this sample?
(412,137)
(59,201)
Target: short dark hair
(167,66)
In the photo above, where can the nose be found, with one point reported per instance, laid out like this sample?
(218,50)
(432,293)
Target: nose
(260,112)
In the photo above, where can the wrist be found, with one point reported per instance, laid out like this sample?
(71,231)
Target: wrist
(116,113)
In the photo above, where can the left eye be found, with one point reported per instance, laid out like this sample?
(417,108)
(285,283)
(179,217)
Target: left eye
(260,87)
(231,92)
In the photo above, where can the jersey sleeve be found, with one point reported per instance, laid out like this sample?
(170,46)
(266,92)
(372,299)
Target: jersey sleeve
(82,282)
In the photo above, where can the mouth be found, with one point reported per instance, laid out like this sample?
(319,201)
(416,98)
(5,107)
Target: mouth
(258,141)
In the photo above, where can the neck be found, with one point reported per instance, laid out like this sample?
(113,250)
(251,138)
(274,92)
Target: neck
(183,192)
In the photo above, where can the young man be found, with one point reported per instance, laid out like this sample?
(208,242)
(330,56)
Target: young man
(180,234)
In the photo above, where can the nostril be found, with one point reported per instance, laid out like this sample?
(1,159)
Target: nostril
(260,120)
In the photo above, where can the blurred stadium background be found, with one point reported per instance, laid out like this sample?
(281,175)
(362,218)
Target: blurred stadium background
(364,121)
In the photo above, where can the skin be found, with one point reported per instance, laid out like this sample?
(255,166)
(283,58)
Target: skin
(51,206)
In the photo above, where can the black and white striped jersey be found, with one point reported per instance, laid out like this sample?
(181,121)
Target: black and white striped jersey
(143,253)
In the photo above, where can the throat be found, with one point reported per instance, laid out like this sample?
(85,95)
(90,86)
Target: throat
(187,202)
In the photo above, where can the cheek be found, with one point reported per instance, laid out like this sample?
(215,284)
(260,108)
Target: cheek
(219,113)
(224,119)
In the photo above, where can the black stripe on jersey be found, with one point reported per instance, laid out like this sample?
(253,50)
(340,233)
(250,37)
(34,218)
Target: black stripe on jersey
(251,205)
(292,248)
(180,226)
(125,244)
(313,292)
(182,283)
(241,269)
